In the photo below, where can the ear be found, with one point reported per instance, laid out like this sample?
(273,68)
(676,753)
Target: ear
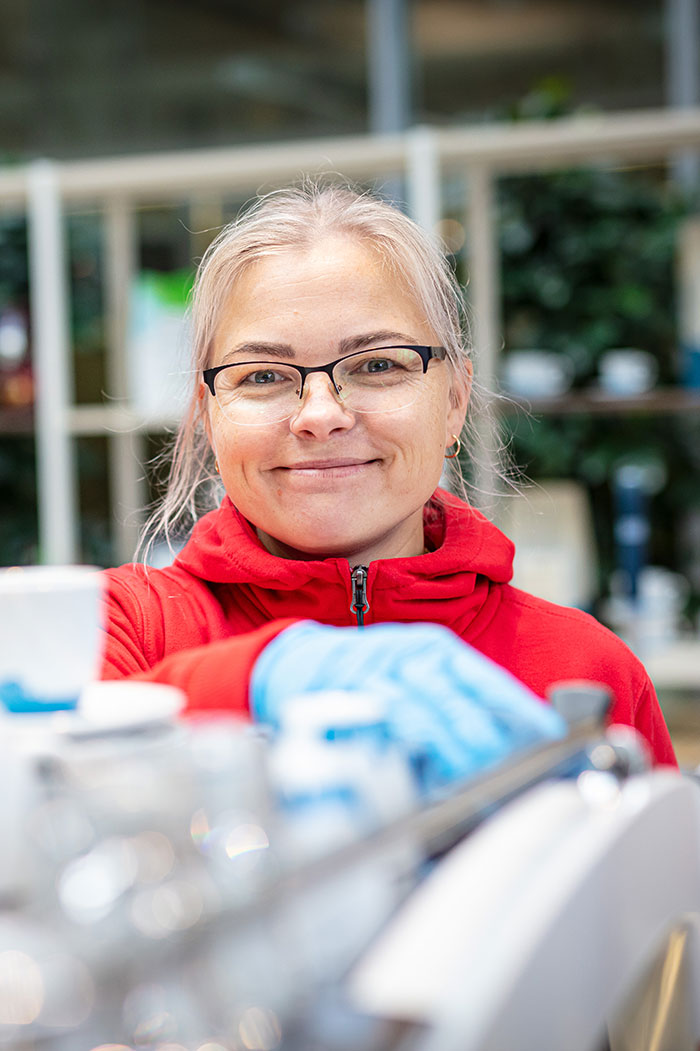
(460,392)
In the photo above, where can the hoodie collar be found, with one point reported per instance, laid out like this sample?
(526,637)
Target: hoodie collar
(467,555)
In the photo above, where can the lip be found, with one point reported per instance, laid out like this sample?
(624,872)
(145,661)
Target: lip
(327,465)
(308,475)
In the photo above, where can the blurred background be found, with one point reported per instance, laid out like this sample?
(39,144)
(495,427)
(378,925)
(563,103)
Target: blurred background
(81,79)
(581,265)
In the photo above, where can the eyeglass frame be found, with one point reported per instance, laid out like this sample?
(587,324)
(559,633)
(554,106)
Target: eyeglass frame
(426,354)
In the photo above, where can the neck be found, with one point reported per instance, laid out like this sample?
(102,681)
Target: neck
(406,546)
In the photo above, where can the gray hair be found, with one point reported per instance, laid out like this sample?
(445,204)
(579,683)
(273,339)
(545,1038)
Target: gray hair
(277,222)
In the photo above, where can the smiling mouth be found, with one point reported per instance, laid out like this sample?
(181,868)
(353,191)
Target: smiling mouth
(326,465)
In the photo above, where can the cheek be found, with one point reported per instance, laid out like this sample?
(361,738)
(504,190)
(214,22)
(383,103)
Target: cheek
(218,439)
(433,424)
(422,444)
(436,437)
(243,455)
(230,450)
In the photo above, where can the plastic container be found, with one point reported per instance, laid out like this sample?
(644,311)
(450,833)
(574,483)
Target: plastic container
(51,642)
(627,371)
(357,750)
(537,373)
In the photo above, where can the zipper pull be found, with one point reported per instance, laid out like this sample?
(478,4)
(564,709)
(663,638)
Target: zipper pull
(359,604)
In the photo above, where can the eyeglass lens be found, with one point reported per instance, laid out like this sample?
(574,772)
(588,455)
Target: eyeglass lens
(258,392)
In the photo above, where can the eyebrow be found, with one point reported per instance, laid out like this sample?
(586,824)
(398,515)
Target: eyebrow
(373,339)
(258,349)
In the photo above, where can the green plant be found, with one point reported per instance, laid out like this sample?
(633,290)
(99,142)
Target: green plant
(588,264)
(587,258)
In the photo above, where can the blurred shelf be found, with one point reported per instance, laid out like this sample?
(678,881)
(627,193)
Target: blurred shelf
(18,421)
(595,402)
(92,420)
(118,418)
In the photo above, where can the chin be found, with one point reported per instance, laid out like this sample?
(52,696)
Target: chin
(315,527)
(331,547)
(314,539)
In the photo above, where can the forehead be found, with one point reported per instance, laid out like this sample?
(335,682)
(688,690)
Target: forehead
(322,293)
(340,267)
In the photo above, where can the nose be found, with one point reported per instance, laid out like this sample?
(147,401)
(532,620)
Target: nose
(320,410)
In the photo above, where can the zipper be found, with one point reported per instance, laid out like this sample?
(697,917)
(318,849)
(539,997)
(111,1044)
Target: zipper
(359,605)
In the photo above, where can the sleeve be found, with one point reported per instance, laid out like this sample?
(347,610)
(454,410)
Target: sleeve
(649,721)
(215,676)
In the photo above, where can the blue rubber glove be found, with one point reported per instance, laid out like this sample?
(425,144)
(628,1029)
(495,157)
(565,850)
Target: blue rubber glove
(452,710)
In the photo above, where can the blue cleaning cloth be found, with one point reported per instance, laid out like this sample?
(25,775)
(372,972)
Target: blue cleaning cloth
(452,710)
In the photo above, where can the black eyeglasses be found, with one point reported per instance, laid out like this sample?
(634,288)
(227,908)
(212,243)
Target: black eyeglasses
(381,379)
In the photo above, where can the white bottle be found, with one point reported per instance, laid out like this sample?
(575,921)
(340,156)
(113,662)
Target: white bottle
(355,733)
(338,777)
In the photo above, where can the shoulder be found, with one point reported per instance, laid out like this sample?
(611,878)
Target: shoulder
(542,643)
(166,608)
(566,625)
(143,587)
(560,618)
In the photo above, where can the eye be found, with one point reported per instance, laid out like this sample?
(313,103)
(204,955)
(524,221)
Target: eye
(259,377)
(375,366)
(380,365)
(263,376)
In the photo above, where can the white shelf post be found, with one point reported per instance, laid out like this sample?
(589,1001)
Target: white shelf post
(127,450)
(423,178)
(57,490)
(484,299)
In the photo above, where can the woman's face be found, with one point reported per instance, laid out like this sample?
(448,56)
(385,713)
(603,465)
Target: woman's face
(329,481)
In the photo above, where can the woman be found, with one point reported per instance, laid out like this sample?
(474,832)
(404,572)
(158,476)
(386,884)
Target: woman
(332,380)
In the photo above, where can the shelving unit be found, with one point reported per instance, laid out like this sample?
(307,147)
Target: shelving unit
(422,156)
(662,401)
(16,421)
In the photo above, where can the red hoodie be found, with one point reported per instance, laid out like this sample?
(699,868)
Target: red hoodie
(201,623)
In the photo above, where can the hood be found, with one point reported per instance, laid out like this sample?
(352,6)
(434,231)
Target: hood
(448,584)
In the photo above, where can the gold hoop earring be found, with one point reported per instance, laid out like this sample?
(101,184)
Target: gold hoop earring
(216,466)
(457,442)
